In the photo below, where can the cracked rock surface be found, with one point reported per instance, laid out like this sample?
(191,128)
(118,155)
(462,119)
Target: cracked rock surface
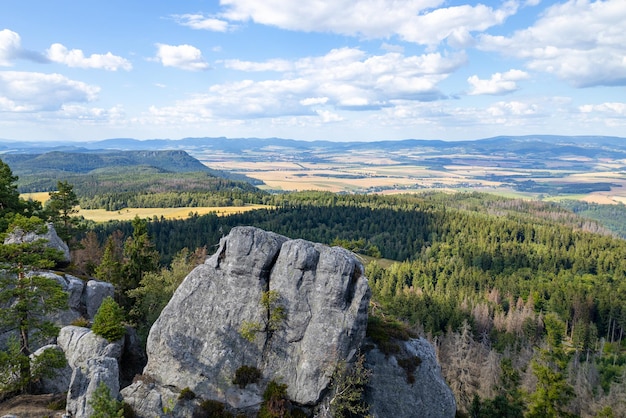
(197,342)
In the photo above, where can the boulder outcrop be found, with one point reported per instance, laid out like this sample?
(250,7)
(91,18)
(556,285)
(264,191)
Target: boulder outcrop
(85,381)
(315,319)
(93,360)
(294,310)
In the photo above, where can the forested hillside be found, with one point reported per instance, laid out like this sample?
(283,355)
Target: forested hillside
(114,180)
(524,301)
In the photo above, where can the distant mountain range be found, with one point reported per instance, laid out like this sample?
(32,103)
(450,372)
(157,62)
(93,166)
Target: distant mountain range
(544,145)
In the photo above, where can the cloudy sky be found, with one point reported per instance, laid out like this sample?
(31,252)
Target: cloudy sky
(343,70)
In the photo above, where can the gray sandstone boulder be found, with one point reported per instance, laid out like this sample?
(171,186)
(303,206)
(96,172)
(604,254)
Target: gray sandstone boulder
(60,382)
(197,343)
(150,400)
(92,360)
(74,287)
(393,391)
(85,380)
(17,236)
(81,344)
(95,293)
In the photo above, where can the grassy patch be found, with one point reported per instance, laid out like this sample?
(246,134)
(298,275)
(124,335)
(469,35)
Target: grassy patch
(387,332)
(101,215)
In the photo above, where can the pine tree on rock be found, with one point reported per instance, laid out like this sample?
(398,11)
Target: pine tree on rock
(27,300)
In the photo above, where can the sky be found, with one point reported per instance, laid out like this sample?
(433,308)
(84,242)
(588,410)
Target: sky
(340,70)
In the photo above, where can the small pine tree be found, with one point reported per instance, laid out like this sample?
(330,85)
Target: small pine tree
(104,405)
(61,207)
(109,320)
(26,301)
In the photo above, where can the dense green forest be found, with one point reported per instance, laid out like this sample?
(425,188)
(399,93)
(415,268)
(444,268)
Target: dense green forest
(146,187)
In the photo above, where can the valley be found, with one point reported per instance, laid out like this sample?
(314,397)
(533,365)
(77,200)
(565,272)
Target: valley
(592,173)
(519,270)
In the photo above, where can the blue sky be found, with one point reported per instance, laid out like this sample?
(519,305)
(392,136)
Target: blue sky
(343,70)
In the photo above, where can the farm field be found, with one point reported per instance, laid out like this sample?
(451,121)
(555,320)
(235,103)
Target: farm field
(389,173)
(101,215)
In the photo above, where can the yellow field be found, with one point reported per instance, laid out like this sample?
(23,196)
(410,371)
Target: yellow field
(101,215)
(42,197)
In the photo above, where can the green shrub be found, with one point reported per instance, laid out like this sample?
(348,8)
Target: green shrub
(275,402)
(104,405)
(211,408)
(81,322)
(109,320)
(58,403)
(385,332)
(348,388)
(186,394)
(246,375)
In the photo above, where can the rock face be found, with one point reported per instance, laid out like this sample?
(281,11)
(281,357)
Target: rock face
(84,299)
(197,341)
(394,391)
(95,293)
(85,381)
(93,360)
(61,379)
(18,237)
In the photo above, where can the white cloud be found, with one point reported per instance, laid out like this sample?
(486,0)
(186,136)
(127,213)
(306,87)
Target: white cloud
(513,108)
(312,101)
(345,78)
(455,23)
(327,116)
(185,57)
(609,109)
(76,58)
(10,45)
(29,91)
(392,48)
(579,41)
(498,84)
(609,114)
(412,20)
(202,22)
(11,49)
(270,65)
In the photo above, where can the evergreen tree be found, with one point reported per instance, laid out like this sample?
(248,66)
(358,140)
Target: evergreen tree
(140,257)
(10,201)
(110,267)
(27,300)
(157,288)
(109,320)
(104,405)
(9,196)
(553,392)
(61,207)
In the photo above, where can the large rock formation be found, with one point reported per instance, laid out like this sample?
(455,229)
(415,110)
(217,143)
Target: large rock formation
(197,341)
(295,310)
